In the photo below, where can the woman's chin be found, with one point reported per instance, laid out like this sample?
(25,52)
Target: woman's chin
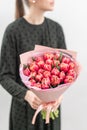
(50,9)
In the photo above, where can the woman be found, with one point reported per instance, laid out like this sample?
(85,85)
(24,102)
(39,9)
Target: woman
(21,36)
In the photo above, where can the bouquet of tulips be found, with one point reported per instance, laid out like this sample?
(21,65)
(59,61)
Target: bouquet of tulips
(48,72)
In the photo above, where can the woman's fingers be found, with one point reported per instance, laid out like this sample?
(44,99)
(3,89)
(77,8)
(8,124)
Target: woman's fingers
(55,107)
(57,103)
(32,99)
(36,102)
(34,106)
(60,99)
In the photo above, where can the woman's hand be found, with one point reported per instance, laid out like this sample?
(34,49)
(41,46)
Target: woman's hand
(32,99)
(57,103)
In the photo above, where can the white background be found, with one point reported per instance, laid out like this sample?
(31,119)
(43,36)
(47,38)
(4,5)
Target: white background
(72,15)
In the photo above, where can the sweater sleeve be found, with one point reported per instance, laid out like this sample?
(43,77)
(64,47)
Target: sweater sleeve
(61,37)
(8,68)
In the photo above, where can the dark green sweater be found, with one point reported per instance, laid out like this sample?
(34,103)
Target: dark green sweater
(19,37)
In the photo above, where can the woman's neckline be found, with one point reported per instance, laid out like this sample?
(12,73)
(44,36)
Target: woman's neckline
(34,25)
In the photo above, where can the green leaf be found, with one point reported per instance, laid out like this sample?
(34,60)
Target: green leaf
(52,116)
(56,113)
(61,55)
(53,66)
(58,67)
(24,66)
(33,58)
(43,113)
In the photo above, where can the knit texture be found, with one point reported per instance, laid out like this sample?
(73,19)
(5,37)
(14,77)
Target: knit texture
(20,36)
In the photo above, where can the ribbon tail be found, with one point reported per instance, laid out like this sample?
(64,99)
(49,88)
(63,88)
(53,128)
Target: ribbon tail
(36,113)
(48,114)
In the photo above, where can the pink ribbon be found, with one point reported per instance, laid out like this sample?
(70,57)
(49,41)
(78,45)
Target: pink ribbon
(47,107)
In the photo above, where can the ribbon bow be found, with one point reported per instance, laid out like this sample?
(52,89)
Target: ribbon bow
(45,106)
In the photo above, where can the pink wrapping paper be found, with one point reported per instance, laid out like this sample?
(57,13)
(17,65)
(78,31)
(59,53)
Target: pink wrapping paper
(51,94)
(46,95)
